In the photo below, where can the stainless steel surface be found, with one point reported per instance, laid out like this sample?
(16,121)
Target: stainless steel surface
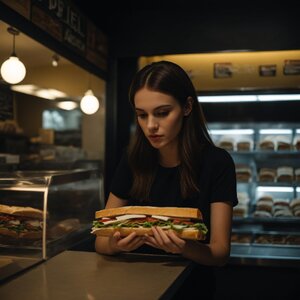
(265,255)
(30,179)
(87,275)
(11,265)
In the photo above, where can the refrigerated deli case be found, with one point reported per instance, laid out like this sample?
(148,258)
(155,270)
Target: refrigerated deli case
(266,222)
(67,201)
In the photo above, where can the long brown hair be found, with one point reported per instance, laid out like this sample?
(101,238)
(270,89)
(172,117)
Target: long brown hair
(168,78)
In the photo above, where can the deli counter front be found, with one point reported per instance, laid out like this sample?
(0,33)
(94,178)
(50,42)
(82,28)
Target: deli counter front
(43,213)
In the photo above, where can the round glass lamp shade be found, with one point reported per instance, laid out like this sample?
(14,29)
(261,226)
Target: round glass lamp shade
(89,104)
(13,70)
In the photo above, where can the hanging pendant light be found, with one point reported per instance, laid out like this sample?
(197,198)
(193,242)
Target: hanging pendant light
(13,70)
(89,103)
(55,60)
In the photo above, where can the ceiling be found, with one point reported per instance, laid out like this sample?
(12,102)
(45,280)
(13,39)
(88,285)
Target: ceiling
(67,77)
(26,49)
(34,54)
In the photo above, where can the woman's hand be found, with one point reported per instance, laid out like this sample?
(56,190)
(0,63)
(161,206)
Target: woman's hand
(126,244)
(165,240)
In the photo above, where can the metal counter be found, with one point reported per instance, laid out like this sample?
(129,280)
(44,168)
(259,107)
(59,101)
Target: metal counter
(88,275)
(265,255)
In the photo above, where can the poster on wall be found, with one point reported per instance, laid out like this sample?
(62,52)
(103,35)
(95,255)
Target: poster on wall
(291,67)
(222,70)
(267,70)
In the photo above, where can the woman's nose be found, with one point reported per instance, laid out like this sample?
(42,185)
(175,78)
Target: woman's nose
(152,123)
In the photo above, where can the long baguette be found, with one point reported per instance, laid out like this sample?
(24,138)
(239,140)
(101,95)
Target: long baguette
(181,212)
(188,234)
(21,211)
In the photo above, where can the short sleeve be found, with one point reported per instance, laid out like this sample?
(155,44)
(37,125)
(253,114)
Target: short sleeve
(122,179)
(224,179)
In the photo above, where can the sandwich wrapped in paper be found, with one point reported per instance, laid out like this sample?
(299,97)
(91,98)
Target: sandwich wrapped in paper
(21,222)
(186,222)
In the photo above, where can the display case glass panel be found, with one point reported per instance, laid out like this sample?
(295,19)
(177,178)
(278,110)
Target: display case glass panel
(44,213)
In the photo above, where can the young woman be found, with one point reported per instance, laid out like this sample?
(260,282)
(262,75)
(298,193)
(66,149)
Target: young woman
(172,161)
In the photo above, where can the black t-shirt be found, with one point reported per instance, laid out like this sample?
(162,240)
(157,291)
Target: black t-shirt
(216,182)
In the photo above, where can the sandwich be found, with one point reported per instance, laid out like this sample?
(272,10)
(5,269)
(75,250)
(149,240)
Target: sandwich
(21,222)
(186,222)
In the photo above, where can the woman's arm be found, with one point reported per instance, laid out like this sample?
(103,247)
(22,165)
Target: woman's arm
(115,244)
(215,253)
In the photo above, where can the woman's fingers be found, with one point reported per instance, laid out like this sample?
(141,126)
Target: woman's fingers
(130,242)
(168,241)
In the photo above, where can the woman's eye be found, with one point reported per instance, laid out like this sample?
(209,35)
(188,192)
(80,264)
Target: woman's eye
(142,116)
(162,113)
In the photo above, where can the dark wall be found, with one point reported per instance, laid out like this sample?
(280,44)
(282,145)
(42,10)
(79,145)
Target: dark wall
(119,114)
(192,31)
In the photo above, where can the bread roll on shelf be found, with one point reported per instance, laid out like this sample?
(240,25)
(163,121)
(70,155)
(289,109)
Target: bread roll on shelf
(267,143)
(284,143)
(270,239)
(295,207)
(285,174)
(293,240)
(267,175)
(227,143)
(242,209)
(244,145)
(264,206)
(243,173)
(281,208)
(241,238)
(297,143)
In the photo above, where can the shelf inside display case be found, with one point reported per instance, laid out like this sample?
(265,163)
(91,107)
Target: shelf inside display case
(59,204)
(266,222)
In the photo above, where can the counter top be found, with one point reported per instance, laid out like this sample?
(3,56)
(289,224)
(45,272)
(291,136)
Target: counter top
(88,275)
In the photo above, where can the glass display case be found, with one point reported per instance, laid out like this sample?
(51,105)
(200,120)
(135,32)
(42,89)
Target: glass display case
(43,213)
(267,158)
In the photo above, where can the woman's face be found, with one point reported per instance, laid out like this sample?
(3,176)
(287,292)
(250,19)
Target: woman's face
(159,116)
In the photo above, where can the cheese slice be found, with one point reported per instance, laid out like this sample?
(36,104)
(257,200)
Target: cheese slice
(109,222)
(127,217)
(161,217)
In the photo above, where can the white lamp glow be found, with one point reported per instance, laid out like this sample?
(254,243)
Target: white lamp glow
(67,105)
(89,104)
(13,70)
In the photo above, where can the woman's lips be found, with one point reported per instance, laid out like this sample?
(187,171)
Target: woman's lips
(155,137)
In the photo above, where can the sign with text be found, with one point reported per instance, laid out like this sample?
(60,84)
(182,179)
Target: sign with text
(291,67)
(223,70)
(60,13)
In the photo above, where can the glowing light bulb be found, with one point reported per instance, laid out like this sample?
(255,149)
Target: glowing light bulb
(89,104)
(13,70)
